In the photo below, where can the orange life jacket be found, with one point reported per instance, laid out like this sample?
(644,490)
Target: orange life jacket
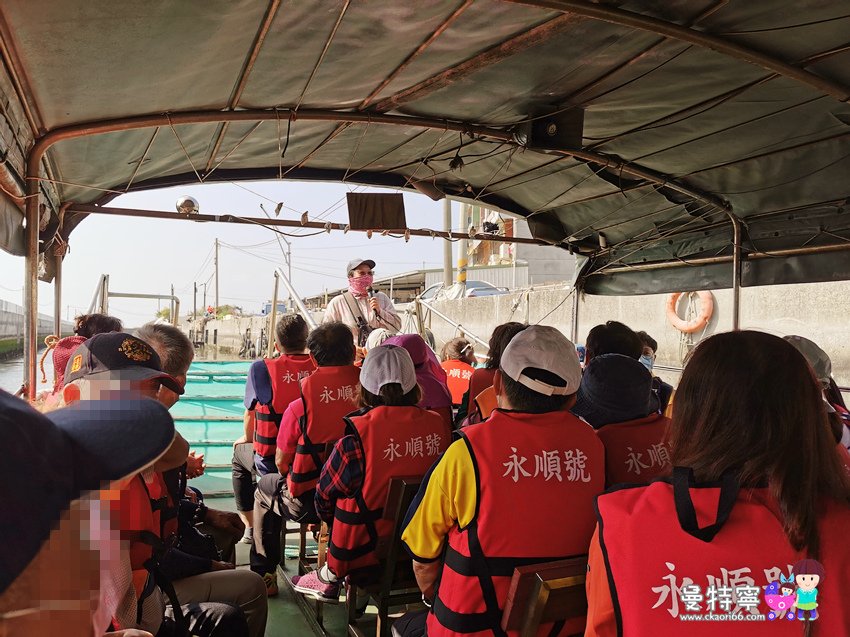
(537,477)
(285,372)
(458,375)
(655,562)
(636,451)
(486,402)
(396,442)
(327,395)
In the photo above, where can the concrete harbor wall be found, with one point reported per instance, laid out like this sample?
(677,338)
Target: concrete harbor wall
(818,311)
(12,328)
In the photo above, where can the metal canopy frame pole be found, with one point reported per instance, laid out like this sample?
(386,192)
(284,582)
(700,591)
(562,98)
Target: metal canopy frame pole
(31,283)
(736,271)
(283,223)
(328,115)
(104,294)
(297,298)
(681,33)
(57,295)
(751,256)
(574,325)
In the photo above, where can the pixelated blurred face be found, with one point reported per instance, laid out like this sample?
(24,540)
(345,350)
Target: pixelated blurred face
(59,593)
(111,389)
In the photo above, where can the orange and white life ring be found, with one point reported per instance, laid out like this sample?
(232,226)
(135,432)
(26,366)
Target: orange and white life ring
(706,309)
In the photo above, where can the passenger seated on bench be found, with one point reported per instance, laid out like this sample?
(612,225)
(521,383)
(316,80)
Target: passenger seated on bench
(458,361)
(310,426)
(176,353)
(612,337)
(517,489)
(85,326)
(839,416)
(389,437)
(757,486)
(272,384)
(118,366)
(430,375)
(616,398)
(663,391)
(55,580)
(482,377)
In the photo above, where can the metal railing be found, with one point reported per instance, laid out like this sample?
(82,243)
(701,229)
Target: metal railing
(102,294)
(458,326)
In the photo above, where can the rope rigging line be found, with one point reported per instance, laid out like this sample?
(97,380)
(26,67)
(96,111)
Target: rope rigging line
(185,152)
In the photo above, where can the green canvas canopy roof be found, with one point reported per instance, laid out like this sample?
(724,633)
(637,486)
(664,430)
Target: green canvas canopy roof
(690,113)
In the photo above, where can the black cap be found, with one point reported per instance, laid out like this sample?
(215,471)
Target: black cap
(51,459)
(614,388)
(118,356)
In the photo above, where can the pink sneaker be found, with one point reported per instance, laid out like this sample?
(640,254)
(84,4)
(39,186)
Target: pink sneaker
(314,586)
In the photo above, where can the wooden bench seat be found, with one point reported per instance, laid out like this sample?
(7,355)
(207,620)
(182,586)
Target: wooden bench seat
(546,593)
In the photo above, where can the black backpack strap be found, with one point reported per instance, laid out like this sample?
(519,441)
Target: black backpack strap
(683,480)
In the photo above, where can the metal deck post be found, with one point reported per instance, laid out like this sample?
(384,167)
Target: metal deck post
(57,296)
(736,271)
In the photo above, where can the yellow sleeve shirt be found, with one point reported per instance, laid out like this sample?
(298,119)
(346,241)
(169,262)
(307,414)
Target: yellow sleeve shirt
(447,498)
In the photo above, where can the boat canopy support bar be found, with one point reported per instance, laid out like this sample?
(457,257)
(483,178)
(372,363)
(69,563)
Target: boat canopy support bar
(279,274)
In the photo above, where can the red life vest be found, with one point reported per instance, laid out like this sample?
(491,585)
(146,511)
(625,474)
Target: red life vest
(285,373)
(396,442)
(741,547)
(328,395)
(458,376)
(537,476)
(636,451)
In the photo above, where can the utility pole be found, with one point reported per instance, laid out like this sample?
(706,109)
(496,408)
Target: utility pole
(447,245)
(205,297)
(195,303)
(216,277)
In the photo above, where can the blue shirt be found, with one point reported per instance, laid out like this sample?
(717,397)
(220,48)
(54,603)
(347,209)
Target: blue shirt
(258,388)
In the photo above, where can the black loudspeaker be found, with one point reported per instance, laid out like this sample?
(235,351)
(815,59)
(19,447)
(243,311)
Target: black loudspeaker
(562,130)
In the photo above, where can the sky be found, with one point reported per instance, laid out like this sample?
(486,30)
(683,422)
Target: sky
(149,255)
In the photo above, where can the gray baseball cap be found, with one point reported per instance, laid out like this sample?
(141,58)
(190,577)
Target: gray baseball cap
(356,263)
(387,364)
(542,347)
(818,359)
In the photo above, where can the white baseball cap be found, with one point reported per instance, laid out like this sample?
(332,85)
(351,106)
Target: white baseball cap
(542,347)
(387,364)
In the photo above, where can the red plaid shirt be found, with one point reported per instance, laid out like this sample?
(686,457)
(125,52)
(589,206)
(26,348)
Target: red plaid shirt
(342,476)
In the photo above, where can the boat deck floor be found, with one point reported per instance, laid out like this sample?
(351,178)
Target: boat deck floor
(290,613)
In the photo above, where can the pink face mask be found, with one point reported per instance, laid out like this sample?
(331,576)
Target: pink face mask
(358,286)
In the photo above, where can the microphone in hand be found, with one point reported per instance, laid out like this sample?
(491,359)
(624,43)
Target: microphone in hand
(373,301)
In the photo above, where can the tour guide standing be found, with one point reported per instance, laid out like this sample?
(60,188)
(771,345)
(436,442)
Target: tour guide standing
(360,308)
(514,490)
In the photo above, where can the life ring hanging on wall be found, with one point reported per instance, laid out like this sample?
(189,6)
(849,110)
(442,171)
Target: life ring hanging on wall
(706,310)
